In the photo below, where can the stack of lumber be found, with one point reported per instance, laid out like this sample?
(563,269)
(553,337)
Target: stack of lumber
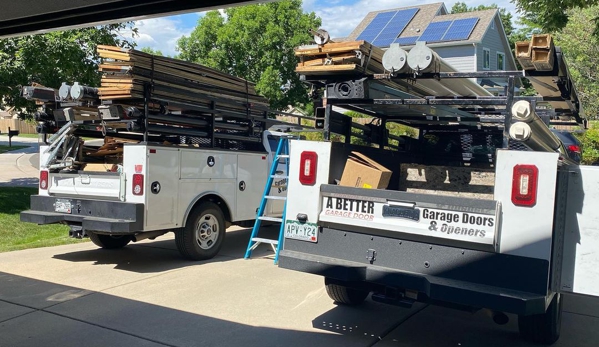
(536,54)
(112,147)
(339,58)
(539,55)
(125,72)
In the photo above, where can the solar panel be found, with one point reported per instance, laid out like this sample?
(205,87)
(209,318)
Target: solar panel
(460,29)
(435,31)
(406,41)
(394,27)
(376,26)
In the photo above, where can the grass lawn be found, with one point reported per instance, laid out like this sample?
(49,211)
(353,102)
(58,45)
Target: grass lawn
(31,136)
(4,149)
(15,235)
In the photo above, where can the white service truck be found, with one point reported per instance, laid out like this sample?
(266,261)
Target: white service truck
(195,192)
(465,221)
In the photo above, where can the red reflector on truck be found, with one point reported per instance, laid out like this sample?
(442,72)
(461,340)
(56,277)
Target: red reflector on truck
(308,162)
(574,148)
(524,185)
(138,184)
(44,180)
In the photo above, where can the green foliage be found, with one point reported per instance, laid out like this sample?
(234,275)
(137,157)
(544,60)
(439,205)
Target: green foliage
(255,42)
(402,130)
(152,51)
(506,17)
(15,235)
(4,149)
(582,54)
(590,146)
(53,58)
(554,15)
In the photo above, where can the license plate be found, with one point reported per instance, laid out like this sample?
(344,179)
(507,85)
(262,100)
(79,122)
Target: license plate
(62,206)
(301,231)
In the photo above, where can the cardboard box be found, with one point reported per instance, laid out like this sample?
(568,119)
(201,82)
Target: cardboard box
(363,172)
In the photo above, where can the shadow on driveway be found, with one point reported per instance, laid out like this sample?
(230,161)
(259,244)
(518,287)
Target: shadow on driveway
(162,255)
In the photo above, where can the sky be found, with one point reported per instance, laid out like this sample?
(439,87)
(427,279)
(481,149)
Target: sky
(339,18)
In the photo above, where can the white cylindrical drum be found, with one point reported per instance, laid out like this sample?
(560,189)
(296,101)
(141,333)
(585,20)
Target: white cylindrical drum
(395,59)
(64,91)
(522,112)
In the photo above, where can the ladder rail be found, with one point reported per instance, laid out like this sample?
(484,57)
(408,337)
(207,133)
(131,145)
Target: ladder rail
(283,145)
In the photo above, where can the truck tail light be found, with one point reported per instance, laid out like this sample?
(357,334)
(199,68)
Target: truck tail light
(308,162)
(43,180)
(138,184)
(524,185)
(574,148)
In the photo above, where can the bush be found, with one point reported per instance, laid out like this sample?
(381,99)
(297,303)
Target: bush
(590,146)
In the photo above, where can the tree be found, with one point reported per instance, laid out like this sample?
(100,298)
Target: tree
(255,43)
(554,15)
(152,51)
(506,17)
(53,58)
(582,54)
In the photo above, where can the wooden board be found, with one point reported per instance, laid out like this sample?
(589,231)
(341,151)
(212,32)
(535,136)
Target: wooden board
(126,72)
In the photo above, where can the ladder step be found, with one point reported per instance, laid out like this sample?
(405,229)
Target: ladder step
(278,176)
(261,240)
(271,219)
(283,156)
(272,197)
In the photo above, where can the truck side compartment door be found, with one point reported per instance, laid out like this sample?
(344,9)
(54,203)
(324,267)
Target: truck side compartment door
(161,187)
(252,171)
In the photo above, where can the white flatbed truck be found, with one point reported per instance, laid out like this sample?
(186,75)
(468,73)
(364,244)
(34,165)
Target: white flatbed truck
(466,221)
(194,172)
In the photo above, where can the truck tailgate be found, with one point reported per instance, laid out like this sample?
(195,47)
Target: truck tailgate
(451,221)
(106,185)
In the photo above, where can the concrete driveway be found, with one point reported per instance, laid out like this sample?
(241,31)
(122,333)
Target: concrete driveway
(146,295)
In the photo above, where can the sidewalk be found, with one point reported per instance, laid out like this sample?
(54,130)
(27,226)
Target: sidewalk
(19,168)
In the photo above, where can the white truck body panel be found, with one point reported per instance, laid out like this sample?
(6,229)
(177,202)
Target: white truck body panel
(251,177)
(305,198)
(43,158)
(135,161)
(161,187)
(526,231)
(580,266)
(84,184)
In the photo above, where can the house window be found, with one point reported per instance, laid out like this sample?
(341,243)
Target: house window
(493,24)
(486,58)
(500,61)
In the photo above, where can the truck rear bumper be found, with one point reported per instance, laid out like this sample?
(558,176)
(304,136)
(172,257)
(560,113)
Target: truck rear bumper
(379,258)
(114,217)
(436,288)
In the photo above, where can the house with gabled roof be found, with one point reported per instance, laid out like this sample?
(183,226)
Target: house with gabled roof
(470,41)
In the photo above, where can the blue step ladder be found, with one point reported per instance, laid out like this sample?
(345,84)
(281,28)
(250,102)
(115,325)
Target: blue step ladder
(282,153)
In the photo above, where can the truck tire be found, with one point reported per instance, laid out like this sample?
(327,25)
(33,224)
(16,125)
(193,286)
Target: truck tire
(203,234)
(543,328)
(345,295)
(109,241)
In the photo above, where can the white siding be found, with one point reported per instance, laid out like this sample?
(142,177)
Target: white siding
(460,57)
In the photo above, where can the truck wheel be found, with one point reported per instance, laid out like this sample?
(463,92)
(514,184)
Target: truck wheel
(203,234)
(344,294)
(543,328)
(109,241)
